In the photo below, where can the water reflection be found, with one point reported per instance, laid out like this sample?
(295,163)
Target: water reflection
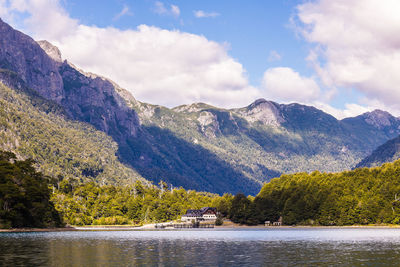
(352,247)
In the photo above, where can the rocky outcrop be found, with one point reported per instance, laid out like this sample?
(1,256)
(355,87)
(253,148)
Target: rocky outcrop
(262,111)
(95,100)
(380,119)
(208,124)
(22,55)
(84,96)
(52,51)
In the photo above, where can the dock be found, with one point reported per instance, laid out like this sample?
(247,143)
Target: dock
(184,226)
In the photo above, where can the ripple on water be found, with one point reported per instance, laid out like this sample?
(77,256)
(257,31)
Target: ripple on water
(218,247)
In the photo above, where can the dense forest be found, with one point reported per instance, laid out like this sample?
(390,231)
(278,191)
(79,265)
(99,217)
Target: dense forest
(87,204)
(361,196)
(24,195)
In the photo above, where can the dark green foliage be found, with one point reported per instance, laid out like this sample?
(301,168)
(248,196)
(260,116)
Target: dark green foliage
(89,203)
(219,221)
(240,209)
(24,195)
(361,196)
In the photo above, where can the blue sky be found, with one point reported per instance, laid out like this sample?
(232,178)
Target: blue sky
(341,56)
(252,31)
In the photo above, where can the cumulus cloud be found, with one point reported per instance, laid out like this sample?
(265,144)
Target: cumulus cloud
(284,84)
(160,8)
(44,16)
(357,45)
(203,14)
(155,65)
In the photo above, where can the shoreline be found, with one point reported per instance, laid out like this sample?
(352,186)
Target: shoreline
(222,227)
(29,230)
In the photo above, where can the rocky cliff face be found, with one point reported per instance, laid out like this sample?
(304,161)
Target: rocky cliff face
(95,100)
(380,119)
(22,55)
(263,111)
(52,51)
(85,97)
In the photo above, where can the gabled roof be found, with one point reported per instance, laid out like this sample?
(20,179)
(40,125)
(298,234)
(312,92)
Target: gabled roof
(200,212)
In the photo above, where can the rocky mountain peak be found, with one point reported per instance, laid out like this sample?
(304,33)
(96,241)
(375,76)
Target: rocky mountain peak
(378,118)
(263,111)
(20,54)
(51,50)
(84,96)
(195,107)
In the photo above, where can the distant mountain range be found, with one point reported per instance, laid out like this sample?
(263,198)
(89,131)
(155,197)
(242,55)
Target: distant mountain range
(82,126)
(388,152)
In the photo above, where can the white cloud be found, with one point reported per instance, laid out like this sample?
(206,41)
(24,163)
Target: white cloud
(44,16)
(160,9)
(155,65)
(125,11)
(274,56)
(284,84)
(350,109)
(203,14)
(357,45)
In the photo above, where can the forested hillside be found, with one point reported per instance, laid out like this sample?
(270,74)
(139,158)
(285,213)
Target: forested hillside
(24,195)
(388,152)
(266,139)
(361,196)
(32,127)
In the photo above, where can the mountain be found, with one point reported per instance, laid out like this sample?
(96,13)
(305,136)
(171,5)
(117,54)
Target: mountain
(388,152)
(197,146)
(33,127)
(266,139)
(153,152)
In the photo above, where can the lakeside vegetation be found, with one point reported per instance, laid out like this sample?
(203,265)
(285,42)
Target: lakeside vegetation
(363,196)
(24,195)
(90,204)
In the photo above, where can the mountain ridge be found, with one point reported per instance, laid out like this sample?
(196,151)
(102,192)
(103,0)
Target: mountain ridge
(387,152)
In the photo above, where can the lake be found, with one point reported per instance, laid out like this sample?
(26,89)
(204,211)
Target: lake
(208,247)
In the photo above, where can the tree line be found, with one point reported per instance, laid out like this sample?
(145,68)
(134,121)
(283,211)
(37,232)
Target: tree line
(362,196)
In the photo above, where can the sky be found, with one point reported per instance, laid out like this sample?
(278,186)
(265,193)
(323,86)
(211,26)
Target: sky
(341,56)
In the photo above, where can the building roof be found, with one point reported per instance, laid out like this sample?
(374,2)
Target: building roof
(200,212)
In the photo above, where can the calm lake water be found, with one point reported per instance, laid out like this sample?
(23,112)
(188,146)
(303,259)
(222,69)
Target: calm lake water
(264,247)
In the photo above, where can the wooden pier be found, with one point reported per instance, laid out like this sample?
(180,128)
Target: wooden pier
(184,226)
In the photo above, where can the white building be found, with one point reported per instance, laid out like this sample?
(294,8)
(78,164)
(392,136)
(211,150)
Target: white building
(203,214)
